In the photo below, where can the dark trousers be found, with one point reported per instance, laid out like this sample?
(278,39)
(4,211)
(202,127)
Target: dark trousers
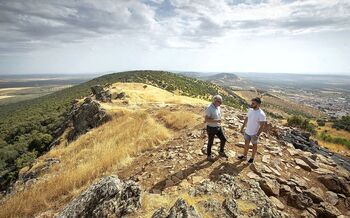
(218,131)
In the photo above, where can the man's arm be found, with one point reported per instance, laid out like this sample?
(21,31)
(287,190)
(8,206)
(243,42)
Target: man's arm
(245,123)
(211,120)
(261,128)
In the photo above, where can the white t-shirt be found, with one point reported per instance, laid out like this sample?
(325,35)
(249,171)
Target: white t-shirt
(213,113)
(254,119)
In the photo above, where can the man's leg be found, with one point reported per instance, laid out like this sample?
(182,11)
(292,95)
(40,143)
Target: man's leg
(255,149)
(211,135)
(222,138)
(247,139)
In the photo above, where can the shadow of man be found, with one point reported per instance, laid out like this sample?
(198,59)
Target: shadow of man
(232,169)
(179,176)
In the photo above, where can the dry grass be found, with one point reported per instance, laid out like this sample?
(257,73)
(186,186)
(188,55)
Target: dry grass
(338,148)
(94,154)
(179,119)
(137,94)
(333,131)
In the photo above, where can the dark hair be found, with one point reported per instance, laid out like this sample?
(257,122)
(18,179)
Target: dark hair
(257,100)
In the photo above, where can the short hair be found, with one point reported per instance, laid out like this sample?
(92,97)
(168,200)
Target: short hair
(215,97)
(257,100)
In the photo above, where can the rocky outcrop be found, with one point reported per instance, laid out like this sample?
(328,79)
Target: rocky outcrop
(180,209)
(101,94)
(109,197)
(89,115)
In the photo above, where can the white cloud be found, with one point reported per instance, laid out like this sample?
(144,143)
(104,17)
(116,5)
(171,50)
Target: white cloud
(195,22)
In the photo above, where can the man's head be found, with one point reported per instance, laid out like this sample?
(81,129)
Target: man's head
(256,102)
(217,100)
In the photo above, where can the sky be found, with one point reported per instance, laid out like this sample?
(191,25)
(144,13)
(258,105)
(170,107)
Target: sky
(92,36)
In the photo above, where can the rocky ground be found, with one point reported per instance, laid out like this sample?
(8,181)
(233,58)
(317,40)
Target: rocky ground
(294,182)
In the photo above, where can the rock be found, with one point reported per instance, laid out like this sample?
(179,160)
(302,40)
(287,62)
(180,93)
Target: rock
(327,210)
(197,179)
(275,201)
(178,210)
(230,206)
(315,194)
(300,200)
(101,94)
(120,95)
(332,198)
(109,197)
(323,171)
(302,164)
(292,151)
(313,164)
(285,189)
(254,176)
(266,159)
(335,184)
(160,213)
(88,115)
(270,187)
(299,181)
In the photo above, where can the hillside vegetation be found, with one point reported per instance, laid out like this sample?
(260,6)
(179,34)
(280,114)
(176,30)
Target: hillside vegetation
(27,128)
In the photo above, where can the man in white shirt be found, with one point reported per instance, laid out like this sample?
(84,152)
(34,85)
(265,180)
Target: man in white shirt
(255,121)
(213,121)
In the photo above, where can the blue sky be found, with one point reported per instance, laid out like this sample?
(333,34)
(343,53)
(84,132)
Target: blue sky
(285,36)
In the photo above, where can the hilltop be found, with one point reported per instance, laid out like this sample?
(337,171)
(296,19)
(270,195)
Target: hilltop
(153,143)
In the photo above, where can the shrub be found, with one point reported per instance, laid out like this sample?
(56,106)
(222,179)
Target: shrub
(302,123)
(343,123)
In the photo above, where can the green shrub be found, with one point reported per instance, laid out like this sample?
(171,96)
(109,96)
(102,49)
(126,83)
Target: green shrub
(302,123)
(343,123)
(337,140)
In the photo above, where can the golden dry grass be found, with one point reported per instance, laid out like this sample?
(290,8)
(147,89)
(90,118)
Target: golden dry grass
(94,154)
(179,119)
(137,94)
(334,132)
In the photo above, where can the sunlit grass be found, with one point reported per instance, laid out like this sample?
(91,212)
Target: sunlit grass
(107,147)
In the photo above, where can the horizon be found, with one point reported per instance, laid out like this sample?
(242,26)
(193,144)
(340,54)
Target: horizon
(298,37)
(171,71)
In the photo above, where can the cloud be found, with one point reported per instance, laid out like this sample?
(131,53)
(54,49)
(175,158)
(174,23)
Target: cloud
(34,24)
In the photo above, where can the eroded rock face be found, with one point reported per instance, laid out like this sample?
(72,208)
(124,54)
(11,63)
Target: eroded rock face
(87,116)
(109,197)
(101,94)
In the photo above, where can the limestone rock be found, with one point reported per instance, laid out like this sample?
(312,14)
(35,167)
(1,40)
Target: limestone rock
(87,116)
(109,197)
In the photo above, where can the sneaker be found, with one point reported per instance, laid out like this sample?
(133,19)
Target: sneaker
(242,157)
(210,158)
(251,160)
(223,154)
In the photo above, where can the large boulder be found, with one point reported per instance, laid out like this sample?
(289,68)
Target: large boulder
(299,200)
(89,115)
(335,184)
(109,197)
(101,94)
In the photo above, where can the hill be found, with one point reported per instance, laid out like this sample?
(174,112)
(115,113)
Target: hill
(154,145)
(28,128)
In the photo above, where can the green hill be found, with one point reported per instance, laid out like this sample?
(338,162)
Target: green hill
(26,128)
